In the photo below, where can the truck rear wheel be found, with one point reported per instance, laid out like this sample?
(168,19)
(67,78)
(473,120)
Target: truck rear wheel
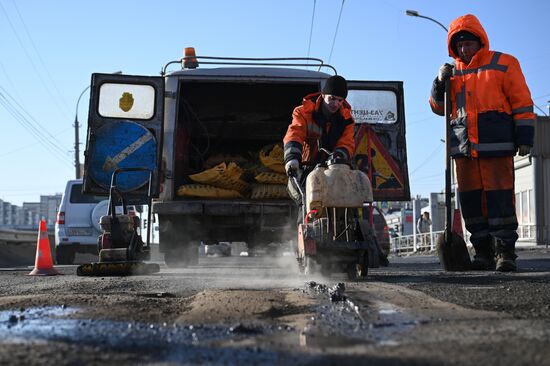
(183,256)
(176,241)
(64,255)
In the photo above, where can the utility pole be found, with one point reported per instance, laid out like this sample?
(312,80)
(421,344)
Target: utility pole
(76,140)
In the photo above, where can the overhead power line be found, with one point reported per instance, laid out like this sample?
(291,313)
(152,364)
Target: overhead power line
(336,31)
(38,125)
(39,74)
(430,157)
(311,28)
(33,126)
(48,74)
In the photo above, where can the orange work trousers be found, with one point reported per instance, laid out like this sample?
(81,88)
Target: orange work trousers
(487,200)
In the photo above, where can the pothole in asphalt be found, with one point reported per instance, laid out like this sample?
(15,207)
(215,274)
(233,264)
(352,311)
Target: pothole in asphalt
(375,322)
(169,343)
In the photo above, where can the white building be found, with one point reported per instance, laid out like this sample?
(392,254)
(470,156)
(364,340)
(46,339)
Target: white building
(533,189)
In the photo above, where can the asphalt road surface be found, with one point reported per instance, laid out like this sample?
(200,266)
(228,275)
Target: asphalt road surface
(240,310)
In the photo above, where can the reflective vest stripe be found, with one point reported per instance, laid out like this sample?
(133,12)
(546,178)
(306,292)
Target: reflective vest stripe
(493,65)
(525,122)
(496,146)
(461,102)
(501,221)
(481,234)
(314,128)
(528,109)
(475,220)
(293,150)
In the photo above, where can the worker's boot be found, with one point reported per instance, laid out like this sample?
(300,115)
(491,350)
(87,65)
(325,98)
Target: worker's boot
(484,259)
(506,258)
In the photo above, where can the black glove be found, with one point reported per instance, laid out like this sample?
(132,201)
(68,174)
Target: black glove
(524,150)
(291,167)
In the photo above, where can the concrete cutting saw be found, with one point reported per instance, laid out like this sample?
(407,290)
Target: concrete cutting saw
(332,235)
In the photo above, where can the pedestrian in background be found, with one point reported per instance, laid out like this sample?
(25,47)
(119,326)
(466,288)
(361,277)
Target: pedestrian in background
(492,119)
(424,223)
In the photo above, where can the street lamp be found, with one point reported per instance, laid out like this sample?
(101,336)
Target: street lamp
(414,13)
(76,127)
(76,142)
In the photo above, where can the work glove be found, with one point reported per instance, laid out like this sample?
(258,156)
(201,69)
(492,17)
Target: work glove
(524,150)
(291,167)
(445,72)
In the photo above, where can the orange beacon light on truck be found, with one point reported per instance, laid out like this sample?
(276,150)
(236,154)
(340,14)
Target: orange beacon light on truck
(189,58)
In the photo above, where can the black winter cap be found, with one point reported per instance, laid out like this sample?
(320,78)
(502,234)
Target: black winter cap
(462,36)
(336,85)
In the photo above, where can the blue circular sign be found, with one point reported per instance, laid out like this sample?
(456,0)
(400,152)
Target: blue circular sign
(122,144)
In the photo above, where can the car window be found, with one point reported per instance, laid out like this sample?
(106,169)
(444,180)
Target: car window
(78,197)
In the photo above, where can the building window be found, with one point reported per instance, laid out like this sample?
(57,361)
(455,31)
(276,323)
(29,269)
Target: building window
(525,212)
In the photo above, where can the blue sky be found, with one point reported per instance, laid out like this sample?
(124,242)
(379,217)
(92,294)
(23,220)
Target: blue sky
(50,48)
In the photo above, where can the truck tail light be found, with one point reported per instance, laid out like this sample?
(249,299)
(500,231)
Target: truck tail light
(386,231)
(61,218)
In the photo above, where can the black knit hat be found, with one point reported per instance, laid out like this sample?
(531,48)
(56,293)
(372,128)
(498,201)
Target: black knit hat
(463,36)
(336,85)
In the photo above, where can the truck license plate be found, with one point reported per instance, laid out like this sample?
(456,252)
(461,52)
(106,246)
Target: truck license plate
(82,231)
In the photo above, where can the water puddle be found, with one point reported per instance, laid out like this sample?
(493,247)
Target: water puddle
(168,343)
(350,322)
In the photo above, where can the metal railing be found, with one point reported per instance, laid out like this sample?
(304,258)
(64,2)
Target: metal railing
(407,244)
(425,242)
(527,232)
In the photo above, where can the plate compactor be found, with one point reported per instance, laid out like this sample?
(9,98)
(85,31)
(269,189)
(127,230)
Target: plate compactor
(121,249)
(333,237)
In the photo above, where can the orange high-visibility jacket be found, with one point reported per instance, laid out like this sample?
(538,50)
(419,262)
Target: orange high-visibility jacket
(491,106)
(310,130)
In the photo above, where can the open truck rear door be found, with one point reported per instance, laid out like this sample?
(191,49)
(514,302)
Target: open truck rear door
(379,113)
(125,128)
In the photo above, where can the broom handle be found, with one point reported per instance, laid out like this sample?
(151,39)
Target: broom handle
(447,111)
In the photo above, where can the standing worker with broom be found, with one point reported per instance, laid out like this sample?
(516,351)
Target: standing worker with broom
(491,119)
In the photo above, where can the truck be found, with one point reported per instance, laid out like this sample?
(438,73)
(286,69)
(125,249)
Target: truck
(173,124)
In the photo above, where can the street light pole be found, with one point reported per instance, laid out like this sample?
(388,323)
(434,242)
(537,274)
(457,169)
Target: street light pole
(414,13)
(76,140)
(76,128)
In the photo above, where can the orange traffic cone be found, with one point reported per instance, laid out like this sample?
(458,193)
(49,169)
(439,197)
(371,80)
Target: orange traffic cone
(43,264)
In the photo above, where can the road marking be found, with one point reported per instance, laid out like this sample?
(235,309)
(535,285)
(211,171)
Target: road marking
(112,163)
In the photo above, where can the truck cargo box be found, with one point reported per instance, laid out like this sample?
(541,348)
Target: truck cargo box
(183,125)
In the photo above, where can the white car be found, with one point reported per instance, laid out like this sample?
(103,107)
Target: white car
(77,225)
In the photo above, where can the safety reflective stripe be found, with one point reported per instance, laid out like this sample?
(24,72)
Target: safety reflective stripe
(293,148)
(525,122)
(528,109)
(475,220)
(480,234)
(314,128)
(461,102)
(496,146)
(500,221)
(493,65)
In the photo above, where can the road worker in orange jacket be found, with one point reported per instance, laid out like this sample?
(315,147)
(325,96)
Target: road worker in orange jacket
(322,121)
(492,119)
